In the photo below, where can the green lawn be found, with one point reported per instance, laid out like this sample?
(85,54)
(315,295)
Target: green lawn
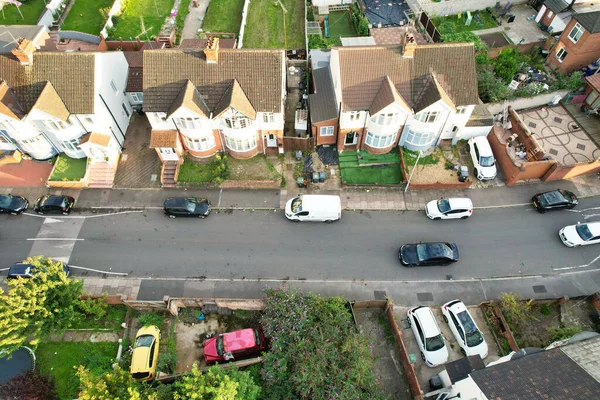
(223,16)
(129,24)
(340,26)
(69,169)
(383,174)
(191,171)
(58,359)
(86,17)
(31,10)
(460,19)
(115,316)
(264,25)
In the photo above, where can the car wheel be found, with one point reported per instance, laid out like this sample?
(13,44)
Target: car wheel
(171,216)
(422,356)
(328,221)
(571,206)
(445,318)
(296,220)
(464,217)
(476,173)
(65,213)
(40,212)
(437,218)
(201,216)
(541,211)
(14,213)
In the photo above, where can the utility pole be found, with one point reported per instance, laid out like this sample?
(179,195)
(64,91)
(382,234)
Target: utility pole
(413,171)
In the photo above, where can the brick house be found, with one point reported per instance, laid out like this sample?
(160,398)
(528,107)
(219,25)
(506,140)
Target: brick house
(556,14)
(213,100)
(578,45)
(375,98)
(592,91)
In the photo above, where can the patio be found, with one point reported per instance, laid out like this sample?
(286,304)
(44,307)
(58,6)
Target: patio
(386,12)
(523,30)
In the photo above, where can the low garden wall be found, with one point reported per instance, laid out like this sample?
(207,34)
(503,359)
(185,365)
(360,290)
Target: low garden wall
(115,9)
(234,184)
(240,42)
(84,37)
(521,48)
(460,6)
(527,102)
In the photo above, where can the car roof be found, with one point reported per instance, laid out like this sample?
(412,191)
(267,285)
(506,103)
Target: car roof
(457,306)
(20,268)
(594,228)
(460,202)
(483,145)
(239,340)
(53,200)
(176,202)
(427,320)
(436,249)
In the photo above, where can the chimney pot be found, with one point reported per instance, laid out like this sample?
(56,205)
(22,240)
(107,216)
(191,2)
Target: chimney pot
(211,50)
(24,51)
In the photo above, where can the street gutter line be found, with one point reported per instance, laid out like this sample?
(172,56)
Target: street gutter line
(577,266)
(97,270)
(502,206)
(140,209)
(58,239)
(86,216)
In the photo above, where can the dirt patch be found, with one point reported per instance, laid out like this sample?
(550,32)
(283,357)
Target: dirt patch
(255,168)
(388,366)
(580,313)
(85,336)
(432,173)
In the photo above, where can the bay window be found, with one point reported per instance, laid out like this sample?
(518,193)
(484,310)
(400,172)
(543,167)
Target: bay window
(427,117)
(379,142)
(384,119)
(241,144)
(70,145)
(236,122)
(200,144)
(419,138)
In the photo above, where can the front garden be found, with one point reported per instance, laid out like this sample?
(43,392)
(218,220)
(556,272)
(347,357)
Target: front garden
(31,11)
(87,16)
(68,169)
(265,27)
(128,24)
(223,16)
(370,169)
(222,167)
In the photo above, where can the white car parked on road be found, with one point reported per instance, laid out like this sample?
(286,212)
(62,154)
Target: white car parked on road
(429,337)
(580,234)
(465,330)
(483,158)
(449,208)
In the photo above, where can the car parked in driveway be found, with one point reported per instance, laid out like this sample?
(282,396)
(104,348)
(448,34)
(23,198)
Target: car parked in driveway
(233,345)
(24,270)
(53,204)
(428,335)
(580,234)
(428,254)
(465,330)
(13,204)
(451,208)
(186,207)
(145,353)
(483,158)
(554,200)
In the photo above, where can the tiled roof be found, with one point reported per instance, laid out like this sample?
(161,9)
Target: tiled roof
(322,103)
(163,138)
(480,117)
(9,105)
(393,36)
(556,6)
(590,21)
(135,77)
(586,354)
(387,95)
(50,103)
(235,98)
(428,95)
(363,68)
(259,73)
(545,375)
(96,138)
(191,99)
(594,81)
(198,44)
(8,34)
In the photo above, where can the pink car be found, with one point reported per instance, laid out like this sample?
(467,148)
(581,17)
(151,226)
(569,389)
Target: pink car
(234,345)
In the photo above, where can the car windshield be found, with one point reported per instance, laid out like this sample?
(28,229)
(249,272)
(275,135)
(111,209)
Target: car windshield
(436,250)
(584,232)
(190,206)
(256,337)
(486,161)
(297,205)
(144,341)
(472,334)
(474,338)
(434,343)
(5,201)
(219,345)
(443,205)
(550,198)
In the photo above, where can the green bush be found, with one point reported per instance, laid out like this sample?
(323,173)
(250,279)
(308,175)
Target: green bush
(545,309)
(570,82)
(507,64)
(564,333)
(361,24)
(150,319)
(464,37)
(491,88)
(219,168)
(317,42)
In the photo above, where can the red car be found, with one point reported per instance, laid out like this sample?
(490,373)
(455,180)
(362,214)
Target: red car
(233,345)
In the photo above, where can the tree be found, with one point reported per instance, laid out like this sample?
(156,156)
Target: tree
(464,37)
(506,64)
(29,385)
(117,384)
(217,384)
(491,88)
(33,308)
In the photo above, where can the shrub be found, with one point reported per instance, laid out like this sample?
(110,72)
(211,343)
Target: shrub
(564,333)
(571,82)
(545,309)
(219,168)
(318,42)
(361,24)
(446,27)
(515,310)
(464,37)
(491,88)
(29,385)
(151,318)
(507,64)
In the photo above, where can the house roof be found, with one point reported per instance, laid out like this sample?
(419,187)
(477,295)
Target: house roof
(135,77)
(363,68)
(258,72)
(96,138)
(586,354)
(190,99)
(9,105)
(594,81)
(163,138)
(480,117)
(50,103)
(556,6)
(199,44)
(548,374)
(590,21)
(321,104)
(387,95)
(235,98)
(9,34)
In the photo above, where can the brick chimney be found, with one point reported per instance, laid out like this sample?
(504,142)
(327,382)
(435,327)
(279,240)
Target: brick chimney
(211,50)
(410,45)
(24,51)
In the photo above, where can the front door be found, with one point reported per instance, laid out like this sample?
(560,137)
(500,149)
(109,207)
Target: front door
(168,154)
(271,140)
(351,138)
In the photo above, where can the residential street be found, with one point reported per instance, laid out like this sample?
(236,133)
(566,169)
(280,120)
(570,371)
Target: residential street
(263,244)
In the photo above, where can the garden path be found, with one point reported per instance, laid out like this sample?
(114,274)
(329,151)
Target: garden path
(193,21)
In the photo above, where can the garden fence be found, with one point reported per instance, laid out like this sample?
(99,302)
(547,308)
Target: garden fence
(243,24)
(427,24)
(298,143)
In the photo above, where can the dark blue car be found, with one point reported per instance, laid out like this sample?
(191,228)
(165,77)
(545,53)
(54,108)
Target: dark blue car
(428,254)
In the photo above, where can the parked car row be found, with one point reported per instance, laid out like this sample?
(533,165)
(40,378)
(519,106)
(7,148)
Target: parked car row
(26,271)
(430,339)
(48,204)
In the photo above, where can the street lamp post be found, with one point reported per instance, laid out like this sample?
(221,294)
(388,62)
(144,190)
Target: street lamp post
(413,171)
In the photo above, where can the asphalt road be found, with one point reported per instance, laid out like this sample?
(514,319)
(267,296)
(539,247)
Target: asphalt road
(263,244)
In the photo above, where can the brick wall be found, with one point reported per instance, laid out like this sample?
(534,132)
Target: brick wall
(580,54)
(521,48)
(321,140)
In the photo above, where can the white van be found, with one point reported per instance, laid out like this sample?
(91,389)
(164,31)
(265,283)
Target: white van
(314,207)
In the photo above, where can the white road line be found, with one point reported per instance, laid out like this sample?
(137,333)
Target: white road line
(97,270)
(577,266)
(87,216)
(591,216)
(502,206)
(57,239)
(584,210)
(220,195)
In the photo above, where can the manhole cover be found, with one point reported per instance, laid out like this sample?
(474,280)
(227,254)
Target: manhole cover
(124,157)
(153,177)
(532,124)
(553,152)
(581,146)
(380,295)
(539,289)
(427,296)
(557,119)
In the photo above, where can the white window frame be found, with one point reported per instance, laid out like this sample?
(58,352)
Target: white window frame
(384,119)
(427,117)
(241,144)
(237,122)
(268,117)
(353,115)
(578,29)
(561,54)
(200,144)
(70,145)
(550,13)
(461,109)
(113,86)
(419,138)
(31,140)
(137,96)
(379,141)
(190,123)
(57,125)
(326,131)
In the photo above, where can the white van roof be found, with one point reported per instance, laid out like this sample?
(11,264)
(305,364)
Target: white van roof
(320,200)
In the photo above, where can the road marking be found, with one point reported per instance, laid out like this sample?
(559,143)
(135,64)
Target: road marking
(86,216)
(57,239)
(584,210)
(97,270)
(591,216)
(502,206)
(220,195)
(577,266)
(51,220)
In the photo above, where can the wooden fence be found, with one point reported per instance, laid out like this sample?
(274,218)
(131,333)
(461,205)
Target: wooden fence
(297,143)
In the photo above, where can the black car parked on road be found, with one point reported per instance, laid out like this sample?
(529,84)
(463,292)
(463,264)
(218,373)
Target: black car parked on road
(428,254)
(24,270)
(554,200)
(186,207)
(53,204)
(13,204)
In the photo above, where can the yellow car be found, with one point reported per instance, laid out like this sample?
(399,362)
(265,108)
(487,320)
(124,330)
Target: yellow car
(145,353)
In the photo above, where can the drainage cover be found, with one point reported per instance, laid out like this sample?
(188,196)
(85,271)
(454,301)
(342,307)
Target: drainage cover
(581,146)
(532,124)
(153,177)
(557,119)
(427,296)
(539,289)
(553,152)
(380,295)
